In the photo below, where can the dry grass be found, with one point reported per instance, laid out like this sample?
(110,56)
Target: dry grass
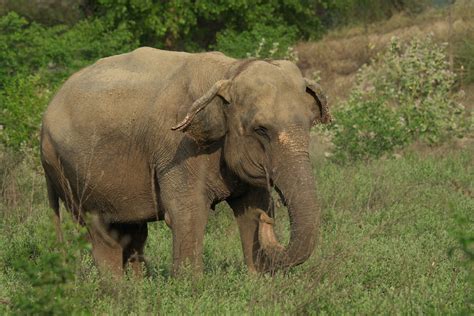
(469,97)
(339,55)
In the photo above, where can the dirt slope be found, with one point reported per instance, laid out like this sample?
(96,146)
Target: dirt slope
(338,56)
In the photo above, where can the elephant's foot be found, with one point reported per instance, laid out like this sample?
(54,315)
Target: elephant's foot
(108,257)
(137,264)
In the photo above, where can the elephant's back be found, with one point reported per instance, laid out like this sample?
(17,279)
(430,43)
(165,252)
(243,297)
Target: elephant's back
(111,95)
(142,67)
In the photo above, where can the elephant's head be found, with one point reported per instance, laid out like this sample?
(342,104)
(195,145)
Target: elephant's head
(265,111)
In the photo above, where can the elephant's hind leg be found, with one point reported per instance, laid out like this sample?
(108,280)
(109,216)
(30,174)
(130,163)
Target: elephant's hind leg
(114,245)
(54,204)
(106,248)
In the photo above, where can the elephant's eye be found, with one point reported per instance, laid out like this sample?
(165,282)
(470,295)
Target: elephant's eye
(262,131)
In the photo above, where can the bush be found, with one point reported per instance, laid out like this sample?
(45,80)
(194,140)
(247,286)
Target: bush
(47,269)
(47,12)
(23,48)
(57,51)
(196,25)
(366,128)
(23,100)
(262,41)
(404,95)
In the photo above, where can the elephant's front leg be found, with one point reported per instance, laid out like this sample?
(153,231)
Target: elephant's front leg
(187,213)
(247,211)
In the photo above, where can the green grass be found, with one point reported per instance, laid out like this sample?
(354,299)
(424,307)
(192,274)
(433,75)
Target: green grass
(390,244)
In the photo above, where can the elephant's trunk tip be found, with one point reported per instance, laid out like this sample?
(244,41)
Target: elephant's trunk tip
(266,236)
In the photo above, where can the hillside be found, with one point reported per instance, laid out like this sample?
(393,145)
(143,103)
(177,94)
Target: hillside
(339,55)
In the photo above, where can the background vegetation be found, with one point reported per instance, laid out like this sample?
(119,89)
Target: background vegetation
(394,171)
(406,94)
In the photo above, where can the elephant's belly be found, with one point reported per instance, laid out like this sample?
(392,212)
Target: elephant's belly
(122,202)
(119,189)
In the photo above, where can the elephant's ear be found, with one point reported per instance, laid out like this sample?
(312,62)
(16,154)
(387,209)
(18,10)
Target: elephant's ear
(205,120)
(321,108)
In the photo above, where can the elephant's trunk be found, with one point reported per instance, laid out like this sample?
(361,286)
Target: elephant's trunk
(296,186)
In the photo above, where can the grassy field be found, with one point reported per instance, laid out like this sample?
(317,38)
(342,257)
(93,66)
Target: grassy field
(391,243)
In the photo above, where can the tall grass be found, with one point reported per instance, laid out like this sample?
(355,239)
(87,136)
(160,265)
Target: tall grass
(389,244)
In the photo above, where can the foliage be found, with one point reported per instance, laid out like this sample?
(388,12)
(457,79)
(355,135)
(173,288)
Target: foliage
(34,60)
(417,80)
(366,128)
(263,41)
(24,99)
(27,47)
(39,271)
(196,25)
(193,26)
(46,12)
(48,273)
(404,95)
(385,245)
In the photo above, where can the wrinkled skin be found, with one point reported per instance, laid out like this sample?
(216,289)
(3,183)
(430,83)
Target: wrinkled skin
(156,135)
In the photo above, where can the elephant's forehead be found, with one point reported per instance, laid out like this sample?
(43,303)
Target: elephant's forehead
(268,93)
(265,93)
(261,73)
(279,106)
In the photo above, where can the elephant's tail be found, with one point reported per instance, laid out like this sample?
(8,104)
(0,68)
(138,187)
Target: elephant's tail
(54,204)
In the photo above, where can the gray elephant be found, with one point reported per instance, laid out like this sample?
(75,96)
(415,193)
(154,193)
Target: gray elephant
(159,135)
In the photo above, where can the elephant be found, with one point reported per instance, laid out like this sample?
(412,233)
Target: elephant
(160,135)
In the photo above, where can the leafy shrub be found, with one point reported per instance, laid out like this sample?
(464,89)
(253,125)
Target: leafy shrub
(195,25)
(47,12)
(23,100)
(416,79)
(57,51)
(262,41)
(404,95)
(22,46)
(47,268)
(366,128)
